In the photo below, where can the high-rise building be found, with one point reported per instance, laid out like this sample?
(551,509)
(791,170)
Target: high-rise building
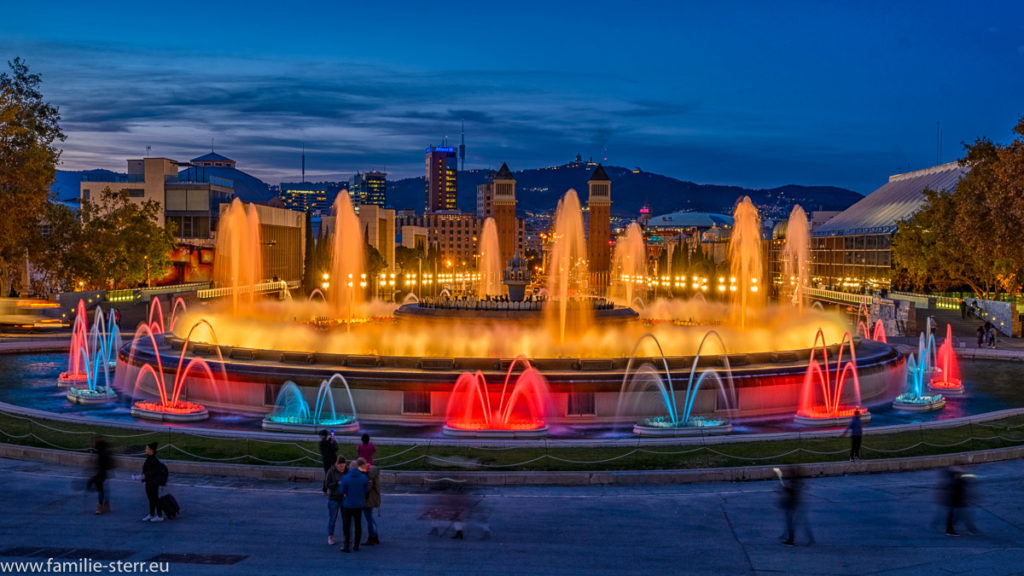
(599,205)
(369,188)
(504,203)
(442,179)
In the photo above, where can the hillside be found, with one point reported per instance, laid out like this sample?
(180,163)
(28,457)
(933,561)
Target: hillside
(539,190)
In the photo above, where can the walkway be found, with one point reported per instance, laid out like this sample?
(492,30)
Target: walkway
(864,525)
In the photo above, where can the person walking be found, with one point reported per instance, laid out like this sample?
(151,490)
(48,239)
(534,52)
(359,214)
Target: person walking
(981,336)
(957,500)
(332,480)
(792,505)
(991,336)
(963,309)
(856,430)
(354,486)
(328,449)
(104,462)
(372,503)
(154,475)
(366,449)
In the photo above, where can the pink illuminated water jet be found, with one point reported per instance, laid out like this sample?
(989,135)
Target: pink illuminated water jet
(946,378)
(822,402)
(519,411)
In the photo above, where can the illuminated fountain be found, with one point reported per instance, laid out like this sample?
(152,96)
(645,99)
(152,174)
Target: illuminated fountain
(745,261)
(91,349)
(913,399)
(679,420)
(520,412)
(239,264)
(629,264)
(489,265)
(292,413)
(946,376)
(170,407)
(348,271)
(582,344)
(568,271)
(822,402)
(796,256)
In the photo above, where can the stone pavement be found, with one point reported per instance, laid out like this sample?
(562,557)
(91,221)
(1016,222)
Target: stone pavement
(878,524)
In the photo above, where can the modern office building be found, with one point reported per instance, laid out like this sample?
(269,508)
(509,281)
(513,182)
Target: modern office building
(369,188)
(379,229)
(442,179)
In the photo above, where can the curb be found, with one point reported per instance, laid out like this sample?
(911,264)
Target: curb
(583,478)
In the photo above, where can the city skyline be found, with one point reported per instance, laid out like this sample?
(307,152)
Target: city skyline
(737,94)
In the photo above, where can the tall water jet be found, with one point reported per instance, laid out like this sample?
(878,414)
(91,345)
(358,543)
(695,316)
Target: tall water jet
(568,269)
(348,272)
(239,262)
(745,259)
(629,263)
(946,378)
(796,256)
(489,265)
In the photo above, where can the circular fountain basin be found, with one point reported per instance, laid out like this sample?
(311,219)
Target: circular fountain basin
(661,427)
(176,413)
(840,417)
(495,433)
(68,379)
(908,403)
(947,387)
(274,424)
(88,397)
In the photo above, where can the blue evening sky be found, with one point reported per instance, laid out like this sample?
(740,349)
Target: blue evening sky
(752,93)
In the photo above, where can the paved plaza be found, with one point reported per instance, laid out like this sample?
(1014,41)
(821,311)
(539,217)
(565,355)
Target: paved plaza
(873,524)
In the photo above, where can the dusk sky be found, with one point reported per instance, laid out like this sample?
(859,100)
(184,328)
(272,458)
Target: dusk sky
(751,93)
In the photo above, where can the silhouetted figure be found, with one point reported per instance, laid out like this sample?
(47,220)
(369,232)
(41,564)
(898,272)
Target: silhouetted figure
(856,430)
(963,310)
(981,336)
(957,500)
(792,506)
(103,464)
(328,449)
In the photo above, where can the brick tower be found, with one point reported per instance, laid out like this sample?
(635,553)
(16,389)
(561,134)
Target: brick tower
(599,229)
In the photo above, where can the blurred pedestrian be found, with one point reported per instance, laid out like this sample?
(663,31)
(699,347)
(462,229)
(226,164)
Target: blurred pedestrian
(856,431)
(330,488)
(957,500)
(981,336)
(328,449)
(992,336)
(963,309)
(103,463)
(791,502)
(366,449)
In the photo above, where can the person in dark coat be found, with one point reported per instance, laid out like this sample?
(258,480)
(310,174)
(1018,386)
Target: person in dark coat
(331,484)
(104,462)
(957,500)
(372,503)
(856,430)
(328,449)
(792,505)
(154,475)
(354,487)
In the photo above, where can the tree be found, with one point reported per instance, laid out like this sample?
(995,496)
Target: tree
(123,244)
(969,236)
(29,134)
(56,250)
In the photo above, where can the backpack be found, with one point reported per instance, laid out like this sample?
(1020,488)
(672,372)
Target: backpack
(164,473)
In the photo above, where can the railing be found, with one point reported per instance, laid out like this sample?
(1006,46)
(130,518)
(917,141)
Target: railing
(925,301)
(135,294)
(835,295)
(263,288)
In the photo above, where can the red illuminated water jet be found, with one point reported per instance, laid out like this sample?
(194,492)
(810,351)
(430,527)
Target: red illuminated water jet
(78,357)
(946,378)
(519,411)
(170,407)
(822,402)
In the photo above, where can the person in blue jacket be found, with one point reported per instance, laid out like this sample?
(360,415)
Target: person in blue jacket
(354,487)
